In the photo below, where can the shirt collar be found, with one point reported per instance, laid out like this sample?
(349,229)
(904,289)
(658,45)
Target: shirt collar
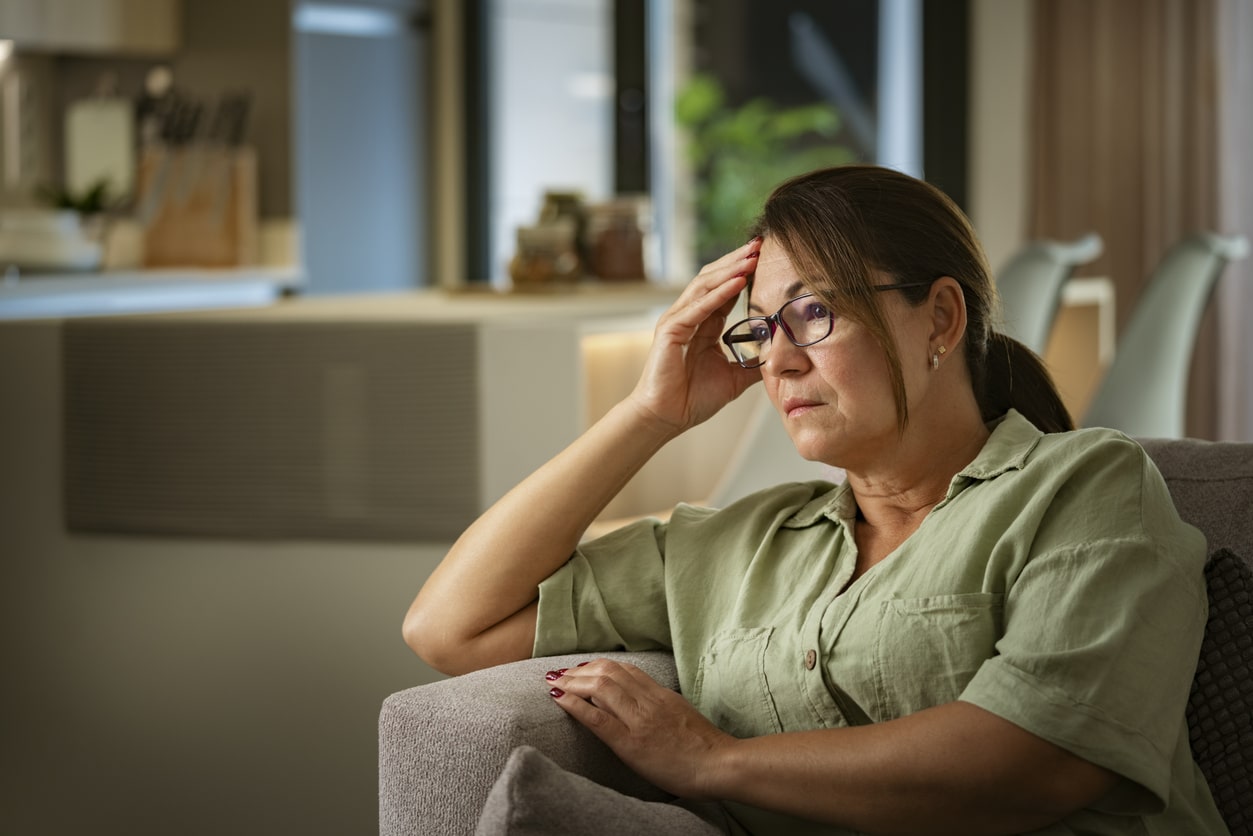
(1012,440)
(1007,448)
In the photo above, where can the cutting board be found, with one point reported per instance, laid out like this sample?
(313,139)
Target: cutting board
(99,145)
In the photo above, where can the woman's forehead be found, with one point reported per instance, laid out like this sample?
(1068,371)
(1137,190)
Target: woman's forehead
(775,279)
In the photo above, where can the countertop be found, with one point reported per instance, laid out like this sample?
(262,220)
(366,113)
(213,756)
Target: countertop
(274,294)
(45,296)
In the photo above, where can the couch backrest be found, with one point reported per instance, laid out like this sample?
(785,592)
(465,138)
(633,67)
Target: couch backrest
(1212,485)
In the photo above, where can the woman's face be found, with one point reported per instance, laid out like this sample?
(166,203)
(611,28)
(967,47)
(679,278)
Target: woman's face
(835,397)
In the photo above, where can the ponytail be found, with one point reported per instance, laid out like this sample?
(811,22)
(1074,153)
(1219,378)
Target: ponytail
(1014,376)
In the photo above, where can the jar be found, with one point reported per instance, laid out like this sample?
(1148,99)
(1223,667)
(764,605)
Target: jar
(546,253)
(616,239)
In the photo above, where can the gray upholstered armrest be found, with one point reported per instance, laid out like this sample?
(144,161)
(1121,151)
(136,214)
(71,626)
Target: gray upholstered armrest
(441,746)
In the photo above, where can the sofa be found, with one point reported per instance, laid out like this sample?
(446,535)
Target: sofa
(442,745)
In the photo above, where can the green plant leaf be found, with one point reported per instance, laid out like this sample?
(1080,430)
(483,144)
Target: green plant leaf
(94,199)
(699,100)
(740,153)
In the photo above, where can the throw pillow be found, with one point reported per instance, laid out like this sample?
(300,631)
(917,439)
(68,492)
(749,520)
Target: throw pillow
(1220,706)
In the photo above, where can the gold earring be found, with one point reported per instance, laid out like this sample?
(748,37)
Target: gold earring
(935,357)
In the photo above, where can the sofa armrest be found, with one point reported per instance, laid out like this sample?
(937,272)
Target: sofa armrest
(442,745)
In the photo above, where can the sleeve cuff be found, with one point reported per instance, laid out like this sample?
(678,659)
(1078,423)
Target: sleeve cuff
(1030,704)
(555,630)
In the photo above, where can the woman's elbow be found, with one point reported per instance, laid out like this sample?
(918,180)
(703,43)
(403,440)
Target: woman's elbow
(454,651)
(1078,785)
(424,637)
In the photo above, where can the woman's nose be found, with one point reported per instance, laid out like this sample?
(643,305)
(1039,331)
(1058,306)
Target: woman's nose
(782,356)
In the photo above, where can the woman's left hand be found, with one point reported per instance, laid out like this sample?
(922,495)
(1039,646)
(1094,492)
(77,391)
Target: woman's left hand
(652,729)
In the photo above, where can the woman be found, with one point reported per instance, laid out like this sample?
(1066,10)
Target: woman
(991,627)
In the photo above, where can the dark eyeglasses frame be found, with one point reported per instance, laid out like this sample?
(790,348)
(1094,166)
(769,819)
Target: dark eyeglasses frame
(775,322)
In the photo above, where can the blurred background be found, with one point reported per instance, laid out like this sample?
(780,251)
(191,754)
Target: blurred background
(292,289)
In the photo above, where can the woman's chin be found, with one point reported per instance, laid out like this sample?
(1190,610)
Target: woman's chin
(810,446)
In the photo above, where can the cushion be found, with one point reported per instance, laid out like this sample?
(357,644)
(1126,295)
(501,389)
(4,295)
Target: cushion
(1220,706)
(535,796)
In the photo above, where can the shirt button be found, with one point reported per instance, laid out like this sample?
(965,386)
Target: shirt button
(811,659)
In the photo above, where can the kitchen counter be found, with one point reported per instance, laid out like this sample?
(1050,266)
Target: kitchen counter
(368,416)
(43,296)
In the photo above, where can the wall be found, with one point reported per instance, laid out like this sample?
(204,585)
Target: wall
(1000,64)
(245,44)
(156,685)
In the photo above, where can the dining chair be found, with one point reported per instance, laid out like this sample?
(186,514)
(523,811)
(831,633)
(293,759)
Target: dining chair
(1144,391)
(1030,286)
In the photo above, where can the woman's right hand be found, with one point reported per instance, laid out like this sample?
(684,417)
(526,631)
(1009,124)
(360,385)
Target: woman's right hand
(687,377)
(478,608)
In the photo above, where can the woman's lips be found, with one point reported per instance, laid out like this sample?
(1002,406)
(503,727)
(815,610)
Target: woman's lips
(793,407)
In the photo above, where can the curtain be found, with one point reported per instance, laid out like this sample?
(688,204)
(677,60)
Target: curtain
(1124,142)
(1235,294)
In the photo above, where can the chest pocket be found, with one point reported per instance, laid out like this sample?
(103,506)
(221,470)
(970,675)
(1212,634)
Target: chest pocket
(731,688)
(928,649)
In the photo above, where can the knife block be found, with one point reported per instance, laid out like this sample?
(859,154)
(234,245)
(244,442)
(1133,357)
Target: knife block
(198,206)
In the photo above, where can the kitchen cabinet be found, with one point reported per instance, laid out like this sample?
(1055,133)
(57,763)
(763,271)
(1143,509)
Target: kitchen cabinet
(141,27)
(379,416)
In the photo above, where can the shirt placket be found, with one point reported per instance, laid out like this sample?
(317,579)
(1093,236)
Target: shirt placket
(810,659)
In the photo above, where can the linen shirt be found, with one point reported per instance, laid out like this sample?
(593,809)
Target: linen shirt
(1054,585)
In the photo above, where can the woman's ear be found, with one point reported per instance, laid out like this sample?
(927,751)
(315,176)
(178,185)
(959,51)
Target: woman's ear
(948,313)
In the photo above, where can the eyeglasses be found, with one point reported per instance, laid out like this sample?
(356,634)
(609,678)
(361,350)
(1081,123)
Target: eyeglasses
(805,320)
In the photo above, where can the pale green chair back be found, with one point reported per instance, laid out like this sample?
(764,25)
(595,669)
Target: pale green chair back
(1144,392)
(1030,286)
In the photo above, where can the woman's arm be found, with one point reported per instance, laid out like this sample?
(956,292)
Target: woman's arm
(955,768)
(478,608)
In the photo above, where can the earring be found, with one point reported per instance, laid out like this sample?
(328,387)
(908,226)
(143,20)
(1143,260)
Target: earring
(935,357)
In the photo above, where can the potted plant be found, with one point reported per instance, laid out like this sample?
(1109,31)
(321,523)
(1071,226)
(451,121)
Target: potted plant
(738,154)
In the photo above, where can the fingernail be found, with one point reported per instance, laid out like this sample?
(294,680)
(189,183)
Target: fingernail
(556,692)
(739,275)
(580,664)
(557,674)
(753,254)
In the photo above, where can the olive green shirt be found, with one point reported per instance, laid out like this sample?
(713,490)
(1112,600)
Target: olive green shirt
(1054,585)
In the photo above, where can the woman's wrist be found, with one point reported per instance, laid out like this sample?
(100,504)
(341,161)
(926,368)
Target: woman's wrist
(647,422)
(719,775)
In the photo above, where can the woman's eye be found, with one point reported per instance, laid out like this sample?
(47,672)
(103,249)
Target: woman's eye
(816,310)
(761,332)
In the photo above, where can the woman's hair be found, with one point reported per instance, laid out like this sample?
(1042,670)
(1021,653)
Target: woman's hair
(841,226)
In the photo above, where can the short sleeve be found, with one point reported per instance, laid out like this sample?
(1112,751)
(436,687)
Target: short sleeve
(609,596)
(1101,640)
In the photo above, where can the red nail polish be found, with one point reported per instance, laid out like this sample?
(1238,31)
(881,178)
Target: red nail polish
(557,674)
(580,664)
(752,255)
(556,692)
